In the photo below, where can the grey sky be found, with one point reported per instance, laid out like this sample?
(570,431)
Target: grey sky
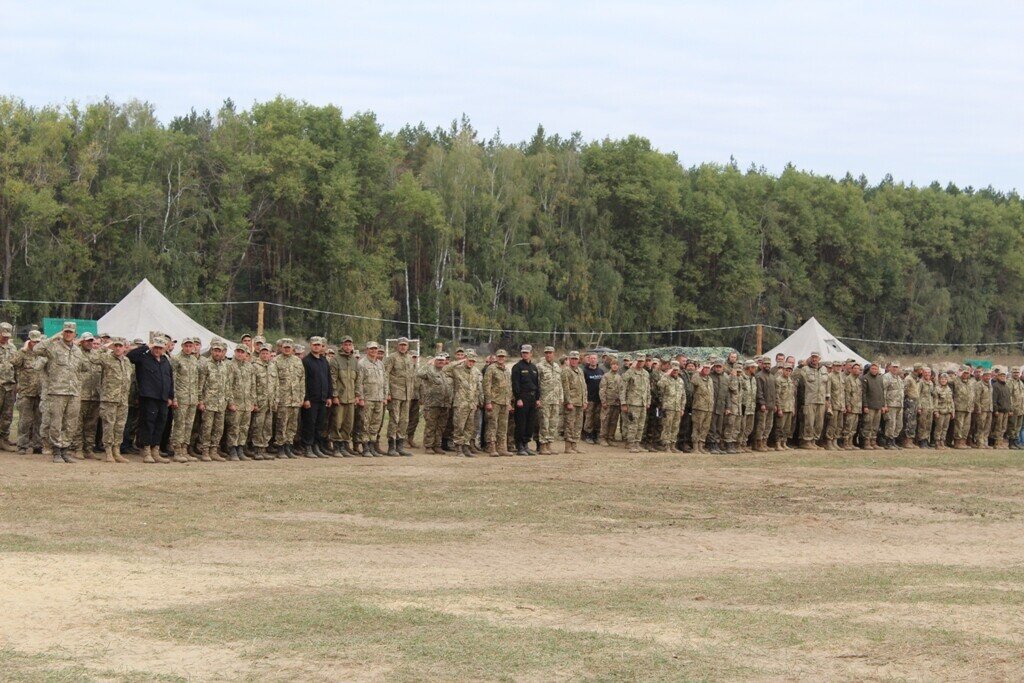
(923,90)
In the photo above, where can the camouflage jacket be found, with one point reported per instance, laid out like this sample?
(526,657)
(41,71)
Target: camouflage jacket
(7,354)
(28,370)
(92,377)
(267,384)
(64,365)
(983,397)
(635,389)
(550,375)
(673,392)
(291,381)
(344,371)
(115,376)
(241,384)
(813,382)
(435,387)
(1016,395)
(498,386)
(963,394)
(785,392)
(854,393)
(609,388)
(186,378)
(574,386)
(400,371)
(925,395)
(214,384)
(703,392)
(912,387)
(371,384)
(944,399)
(837,391)
(748,393)
(893,390)
(466,385)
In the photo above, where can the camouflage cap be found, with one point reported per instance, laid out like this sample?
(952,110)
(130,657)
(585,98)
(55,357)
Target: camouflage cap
(69,325)
(627,359)
(471,355)
(117,341)
(574,354)
(918,366)
(218,344)
(266,347)
(852,361)
(159,342)
(245,336)
(501,353)
(750,363)
(460,350)
(715,360)
(241,348)
(675,365)
(299,348)
(345,339)
(284,342)
(403,340)
(6,329)
(827,364)
(894,364)
(549,349)
(106,335)
(526,348)
(317,340)
(639,356)
(137,341)
(259,339)
(86,336)
(442,356)
(812,354)
(35,335)
(371,345)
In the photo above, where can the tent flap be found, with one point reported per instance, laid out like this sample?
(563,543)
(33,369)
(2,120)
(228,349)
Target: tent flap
(812,336)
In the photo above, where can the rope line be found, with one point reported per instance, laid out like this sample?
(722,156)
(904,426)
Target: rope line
(449,326)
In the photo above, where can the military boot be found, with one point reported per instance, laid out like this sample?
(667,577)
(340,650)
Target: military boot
(342,446)
(116,450)
(492,449)
(213,453)
(634,447)
(779,445)
(109,452)
(155,450)
(603,442)
(467,451)
(400,447)
(181,454)
(66,456)
(240,452)
(391,447)
(411,442)
(147,455)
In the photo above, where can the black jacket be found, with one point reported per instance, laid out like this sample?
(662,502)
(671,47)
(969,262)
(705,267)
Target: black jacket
(525,382)
(1001,397)
(873,391)
(318,379)
(155,378)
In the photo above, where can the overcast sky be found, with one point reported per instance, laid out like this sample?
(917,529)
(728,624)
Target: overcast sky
(922,90)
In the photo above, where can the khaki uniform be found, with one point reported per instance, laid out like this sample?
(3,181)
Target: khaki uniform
(1017,411)
(703,408)
(854,407)
(911,396)
(574,393)
(550,375)
(466,399)
(945,408)
(89,410)
(372,388)
(813,383)
(28,372)
(672,391)
(785,400)
(8,388)
(186,393)
(894,402)
(241,395)
(766,403)
(837,406)
(400,372)
(214,385)
(267,386)
(62,380)
(436,399)
(610,406)
(344,372)
(925,404)
(963,403)
(114,388)
(748,408)
(635,394)
(983,406)
(498,394)
(291,390)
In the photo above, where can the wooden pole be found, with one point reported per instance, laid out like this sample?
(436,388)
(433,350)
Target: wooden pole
(760,339)
(259,319)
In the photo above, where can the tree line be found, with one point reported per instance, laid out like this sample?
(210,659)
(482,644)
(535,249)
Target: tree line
(302,205)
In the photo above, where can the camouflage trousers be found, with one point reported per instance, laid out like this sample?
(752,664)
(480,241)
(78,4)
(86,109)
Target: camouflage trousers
(783,427)
(670,426)
(609,420)
(999,422)
(592,419)
(1013,429)
(373,417)
(869,425)
(813,421)
(701,427)
(7,400)
(850,424)
(181,429)
(497,425)
(728,429)
(212,428)
(940,428)
(29,422)
(634,420)
(398,418)
(414,419)
(763,423)
(909,418)
(88,418)
(434,420)
(114,416)
(550,422)
(62,418)
(893,422)
(238,425)
(836,421)
(343,422)
(573,425)
(923,426)
(286,425)
(963,425)
(983,426)
(744,427)
(262,428)
(464,424)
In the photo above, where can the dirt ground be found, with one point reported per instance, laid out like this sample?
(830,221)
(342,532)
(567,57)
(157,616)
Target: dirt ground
(605,565)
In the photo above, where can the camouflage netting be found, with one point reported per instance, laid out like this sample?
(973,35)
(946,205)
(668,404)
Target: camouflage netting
(696,352)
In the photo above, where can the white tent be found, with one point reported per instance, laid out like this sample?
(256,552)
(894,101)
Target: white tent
(145,309)
(813,337)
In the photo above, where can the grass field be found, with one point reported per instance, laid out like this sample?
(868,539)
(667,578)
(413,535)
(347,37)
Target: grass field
(599,566)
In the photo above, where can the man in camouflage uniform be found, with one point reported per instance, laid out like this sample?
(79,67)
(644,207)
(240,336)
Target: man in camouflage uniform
(291,390)
(837,404)
(892,414)
(733,408)
(466,399)
(371,397)
(186,395)
(414,404)
(1017,411)
(344,369)
(703,407)
(720,379)
(436,398)
(610,408)
(64,364)
(854,403)
(963,402)
(241,402)
(8,388)
(785,401)
(911,393)
(89,409)
(873,398)
(574,393)
(748,405)
(672,391)
(765,404)
(115,384)
(550,373)
(812,383)
(400,371)
(28,372)
(634,395)
(925,408)
(214,387)
(686,369)
(983,410)
(267,385)
(944,411)
(497,405)
(652,428)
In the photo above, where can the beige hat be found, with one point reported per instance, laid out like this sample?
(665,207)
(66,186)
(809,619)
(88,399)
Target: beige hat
(283,342)
(35,335)
(159,342)
(218,344)
(69,325)
(372,345)
(549,349)
(317,340)
(501,353)
(574,354)
(526,348)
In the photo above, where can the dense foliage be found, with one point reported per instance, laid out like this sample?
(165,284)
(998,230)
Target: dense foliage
(298,204)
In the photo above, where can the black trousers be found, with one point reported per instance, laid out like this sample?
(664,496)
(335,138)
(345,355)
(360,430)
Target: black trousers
(525,419)
(152,420)
(313,419)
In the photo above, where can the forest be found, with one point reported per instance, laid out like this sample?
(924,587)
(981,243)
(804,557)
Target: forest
(463,238)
